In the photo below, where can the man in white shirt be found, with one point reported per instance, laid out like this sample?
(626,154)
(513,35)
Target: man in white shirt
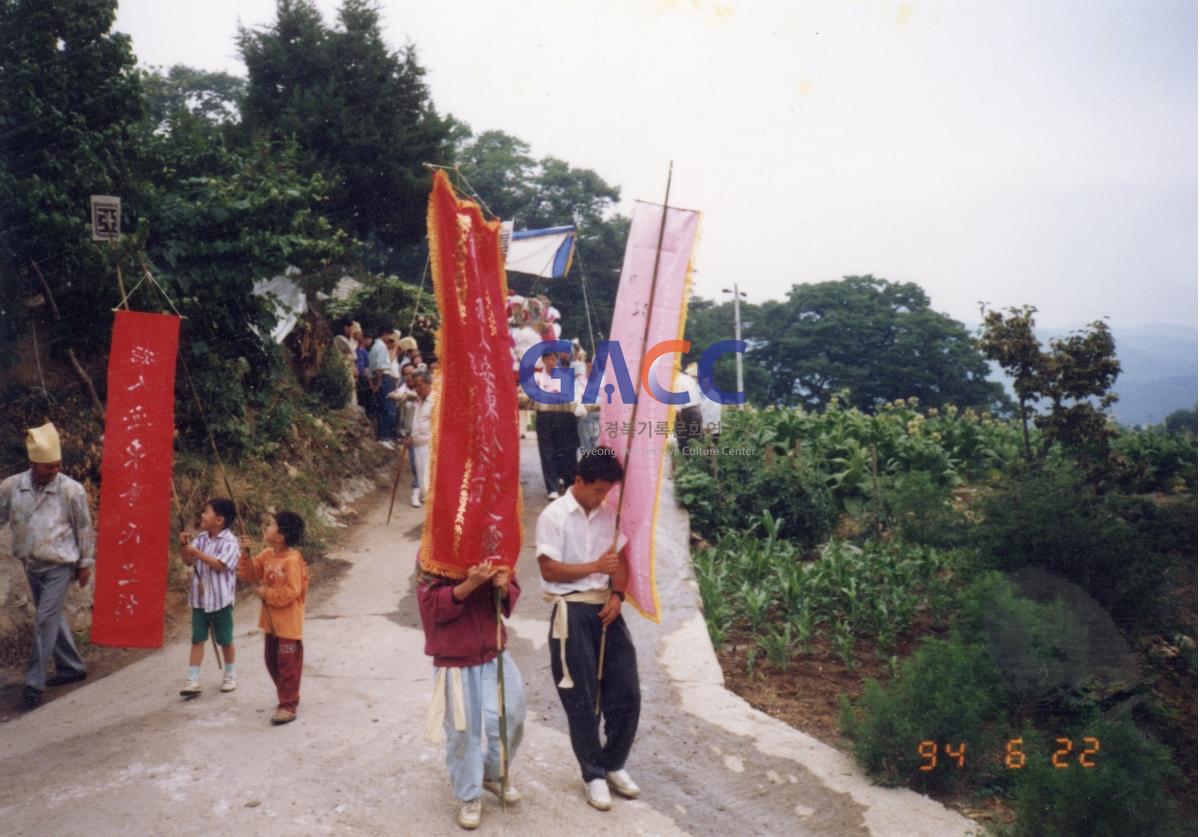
(557,431)
(584,574)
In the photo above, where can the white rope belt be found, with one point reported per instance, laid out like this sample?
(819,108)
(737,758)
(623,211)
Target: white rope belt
(437,709)
(559,623)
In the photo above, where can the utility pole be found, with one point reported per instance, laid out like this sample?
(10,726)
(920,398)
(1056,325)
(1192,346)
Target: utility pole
(737,332)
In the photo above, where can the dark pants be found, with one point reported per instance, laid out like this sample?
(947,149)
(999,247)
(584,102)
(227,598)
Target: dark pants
(689,424)
(51,633)
(386,413)
(558,438)
(620,695)
(285,659)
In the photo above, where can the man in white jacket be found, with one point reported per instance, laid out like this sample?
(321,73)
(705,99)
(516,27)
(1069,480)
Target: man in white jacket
(422,432)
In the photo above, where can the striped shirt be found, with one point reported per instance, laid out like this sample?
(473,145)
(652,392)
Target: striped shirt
(51,524)
(212,590)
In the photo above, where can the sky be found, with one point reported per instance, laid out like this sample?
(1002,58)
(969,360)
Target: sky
(1037,152)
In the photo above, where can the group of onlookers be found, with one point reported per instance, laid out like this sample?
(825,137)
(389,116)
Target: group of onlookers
(393,385)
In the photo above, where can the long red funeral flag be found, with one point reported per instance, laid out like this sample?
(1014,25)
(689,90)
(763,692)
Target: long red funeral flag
(135,482)
(474,505)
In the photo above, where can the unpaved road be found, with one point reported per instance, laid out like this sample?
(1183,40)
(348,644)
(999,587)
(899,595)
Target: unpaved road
(124,755)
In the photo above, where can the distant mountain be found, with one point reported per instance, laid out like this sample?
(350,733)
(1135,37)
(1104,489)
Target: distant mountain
(1158,371)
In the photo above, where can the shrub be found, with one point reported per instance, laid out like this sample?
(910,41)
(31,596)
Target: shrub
(332,385)
(917,507)
(944,693)
(1046,516)
(1123,794)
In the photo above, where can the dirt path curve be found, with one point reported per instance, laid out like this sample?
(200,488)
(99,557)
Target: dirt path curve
(123,755)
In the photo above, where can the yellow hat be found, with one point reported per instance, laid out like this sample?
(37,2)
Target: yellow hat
(43,445)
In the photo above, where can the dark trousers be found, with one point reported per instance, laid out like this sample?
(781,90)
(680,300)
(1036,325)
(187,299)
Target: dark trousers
(285,659)
(51,633)
(620,694)
(689,424)
(385,407)
(558,439)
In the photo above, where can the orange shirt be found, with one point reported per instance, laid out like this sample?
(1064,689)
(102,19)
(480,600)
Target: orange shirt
(286,578)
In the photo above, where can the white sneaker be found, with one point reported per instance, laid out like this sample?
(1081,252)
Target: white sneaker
(388,444)
(622,783)
(416,498)
(553,495)
(492,786)
(469,814)
(596,792)
(191,689)
(229,683)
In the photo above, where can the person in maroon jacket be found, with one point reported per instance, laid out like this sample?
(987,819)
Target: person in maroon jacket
(459,619)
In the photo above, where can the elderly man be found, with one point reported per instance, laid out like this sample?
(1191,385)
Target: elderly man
(53,538)
(422,434)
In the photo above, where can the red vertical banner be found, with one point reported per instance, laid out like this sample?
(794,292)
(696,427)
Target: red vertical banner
(474,505)
(135,482)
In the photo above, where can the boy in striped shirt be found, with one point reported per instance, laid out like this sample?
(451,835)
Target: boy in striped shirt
(213,556)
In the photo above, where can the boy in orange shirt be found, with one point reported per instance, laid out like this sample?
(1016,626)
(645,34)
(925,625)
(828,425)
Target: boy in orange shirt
(282,578)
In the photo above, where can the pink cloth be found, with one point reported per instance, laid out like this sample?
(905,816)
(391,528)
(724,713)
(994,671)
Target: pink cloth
(643,459)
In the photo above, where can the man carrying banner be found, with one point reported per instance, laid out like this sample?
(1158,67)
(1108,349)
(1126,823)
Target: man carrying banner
(52,537)
(584,576)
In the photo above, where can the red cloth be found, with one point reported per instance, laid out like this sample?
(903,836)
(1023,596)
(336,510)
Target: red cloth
(473,508)
(285,661)
(135,482)
(461,634)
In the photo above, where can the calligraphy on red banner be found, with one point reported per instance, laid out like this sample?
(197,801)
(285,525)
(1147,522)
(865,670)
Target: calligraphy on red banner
(135,482)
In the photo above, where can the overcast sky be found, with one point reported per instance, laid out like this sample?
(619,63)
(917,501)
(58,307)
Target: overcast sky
(1040,152)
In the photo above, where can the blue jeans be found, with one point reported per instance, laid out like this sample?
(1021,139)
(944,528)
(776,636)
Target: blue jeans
(51,633)
(465,758)
(387,409)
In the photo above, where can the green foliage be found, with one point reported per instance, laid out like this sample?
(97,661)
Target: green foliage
(919,510)
(1155,460)
(879,340)
(1046,515)
(1039,650)
(1181,421)
(1125,793)
(945,693)
(390,301)
(69,95)
(1074,376)
(332,386)
(360,113)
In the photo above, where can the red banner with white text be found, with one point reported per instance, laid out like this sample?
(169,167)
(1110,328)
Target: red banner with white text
(135,482)
(474,505)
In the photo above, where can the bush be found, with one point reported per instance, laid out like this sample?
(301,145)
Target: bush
(917,507)
(1046,516)
(1125,793)
(332,386)
(944,693)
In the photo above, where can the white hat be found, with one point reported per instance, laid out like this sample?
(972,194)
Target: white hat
(43,445)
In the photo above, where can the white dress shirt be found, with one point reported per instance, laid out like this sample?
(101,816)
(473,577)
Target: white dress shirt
(568,534)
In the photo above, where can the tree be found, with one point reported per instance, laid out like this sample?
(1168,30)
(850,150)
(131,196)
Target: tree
(708,322)
(69,94)
(878,339)
(360,113)
(1074,377)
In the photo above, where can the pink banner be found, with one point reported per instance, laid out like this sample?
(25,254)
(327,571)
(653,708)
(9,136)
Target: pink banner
(135,482)
(642,453)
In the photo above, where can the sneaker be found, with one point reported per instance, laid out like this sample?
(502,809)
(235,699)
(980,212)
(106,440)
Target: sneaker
(387,444)
(283,716)
(229,683)
(492,786)
(469,814)
(416,498)
(191,689)
(596,792)
(622,783)
(32,697)
(553,495)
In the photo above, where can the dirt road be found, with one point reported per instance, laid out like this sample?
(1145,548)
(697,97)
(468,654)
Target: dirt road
(124,755)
